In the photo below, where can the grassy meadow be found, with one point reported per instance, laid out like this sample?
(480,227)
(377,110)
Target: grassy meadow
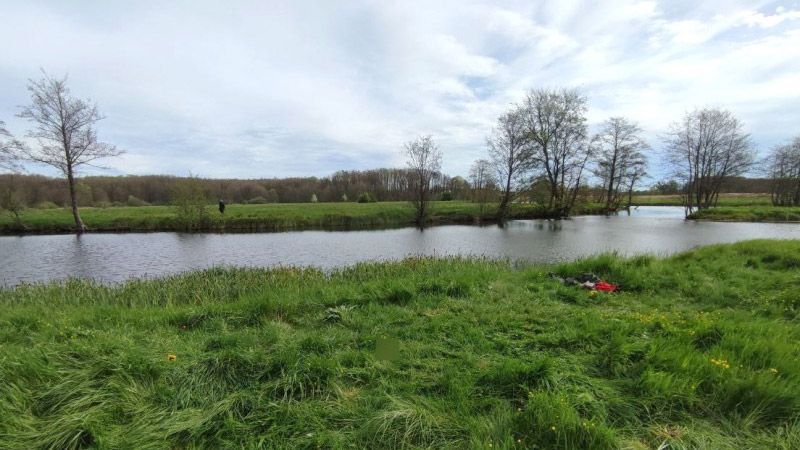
(699,350)
(266,217)
(749,214)
(724,200)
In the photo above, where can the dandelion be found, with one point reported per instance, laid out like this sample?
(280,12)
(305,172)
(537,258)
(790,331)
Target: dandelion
(553,428)
(171,357)
(519,441)
(722,363)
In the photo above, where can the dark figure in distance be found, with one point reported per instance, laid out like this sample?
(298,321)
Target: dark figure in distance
(222,207)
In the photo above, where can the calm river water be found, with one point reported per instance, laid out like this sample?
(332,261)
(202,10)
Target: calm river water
(116,257)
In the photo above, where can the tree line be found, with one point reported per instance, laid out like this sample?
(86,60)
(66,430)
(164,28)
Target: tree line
(34,191)
(540,150)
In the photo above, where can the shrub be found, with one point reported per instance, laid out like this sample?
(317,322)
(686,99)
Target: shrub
(190,203)
(256,201)
(314,198)
(366,197)
(446,196)
(46,205)
(136,201)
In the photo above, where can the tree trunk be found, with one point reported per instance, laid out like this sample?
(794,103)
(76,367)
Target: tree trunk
(73,198)
(502,211)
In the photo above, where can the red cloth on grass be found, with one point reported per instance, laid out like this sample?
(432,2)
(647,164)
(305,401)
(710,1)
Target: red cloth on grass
(605,287)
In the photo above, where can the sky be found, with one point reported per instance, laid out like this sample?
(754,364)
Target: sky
(274,89)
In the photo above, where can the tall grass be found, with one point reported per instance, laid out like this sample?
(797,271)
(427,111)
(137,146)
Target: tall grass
(697,351)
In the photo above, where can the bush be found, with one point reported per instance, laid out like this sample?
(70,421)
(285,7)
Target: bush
(256,201)
(191,204)
(446,196)
(46,205)
(366,197)
(136,201)
(314,198)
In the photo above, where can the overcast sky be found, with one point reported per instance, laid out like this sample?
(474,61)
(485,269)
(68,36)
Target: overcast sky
(273,89)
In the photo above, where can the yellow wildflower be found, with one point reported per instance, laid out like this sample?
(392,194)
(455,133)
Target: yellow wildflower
(171,357)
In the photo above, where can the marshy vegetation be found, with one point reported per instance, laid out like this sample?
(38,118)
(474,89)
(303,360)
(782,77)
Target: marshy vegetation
(697,351)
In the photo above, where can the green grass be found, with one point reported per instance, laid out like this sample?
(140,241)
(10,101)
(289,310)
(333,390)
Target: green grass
(724,200)
(271,217)
(698,351)
(749,214)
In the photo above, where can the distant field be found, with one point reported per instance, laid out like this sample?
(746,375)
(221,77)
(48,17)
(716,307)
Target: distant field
(749,214)
(699,351)
(268,217)
(724,200)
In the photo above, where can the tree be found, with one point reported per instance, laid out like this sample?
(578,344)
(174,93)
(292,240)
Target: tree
(65,132)
(783,164)
(706,147)
(555,126)
(190,201)
(10,200)
(424,161)
(9,156)
(482,178)
(666,187)
(510,155)
(621,161)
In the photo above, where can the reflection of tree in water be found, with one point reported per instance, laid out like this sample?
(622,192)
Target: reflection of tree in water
(80,258)
(549,225)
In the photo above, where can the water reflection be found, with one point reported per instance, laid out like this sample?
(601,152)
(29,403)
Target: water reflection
(115,257)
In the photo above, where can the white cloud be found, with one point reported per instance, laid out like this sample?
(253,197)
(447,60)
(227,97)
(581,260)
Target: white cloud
(273,89)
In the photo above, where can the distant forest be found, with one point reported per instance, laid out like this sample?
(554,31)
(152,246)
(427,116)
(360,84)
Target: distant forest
(379,184)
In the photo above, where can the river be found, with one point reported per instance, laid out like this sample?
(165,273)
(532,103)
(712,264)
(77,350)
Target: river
(114,257)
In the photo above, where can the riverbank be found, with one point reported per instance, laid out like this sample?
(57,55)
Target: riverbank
(726,199)
(268,217)
(698,350)
(776,214)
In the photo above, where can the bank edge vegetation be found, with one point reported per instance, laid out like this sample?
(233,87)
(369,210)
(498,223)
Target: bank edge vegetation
(697,351)
(541,144)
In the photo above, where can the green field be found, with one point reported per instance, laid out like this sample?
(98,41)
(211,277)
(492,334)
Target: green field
(749,214)
(343,216)
(269,217)
(724,200)
(698,351)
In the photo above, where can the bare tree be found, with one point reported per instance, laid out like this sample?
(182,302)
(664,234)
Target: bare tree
(9,150)
(621,161)
(705,148)
(483,182)
(65,132)
(510,157)
(555,125)
(424,163)
(783,165)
